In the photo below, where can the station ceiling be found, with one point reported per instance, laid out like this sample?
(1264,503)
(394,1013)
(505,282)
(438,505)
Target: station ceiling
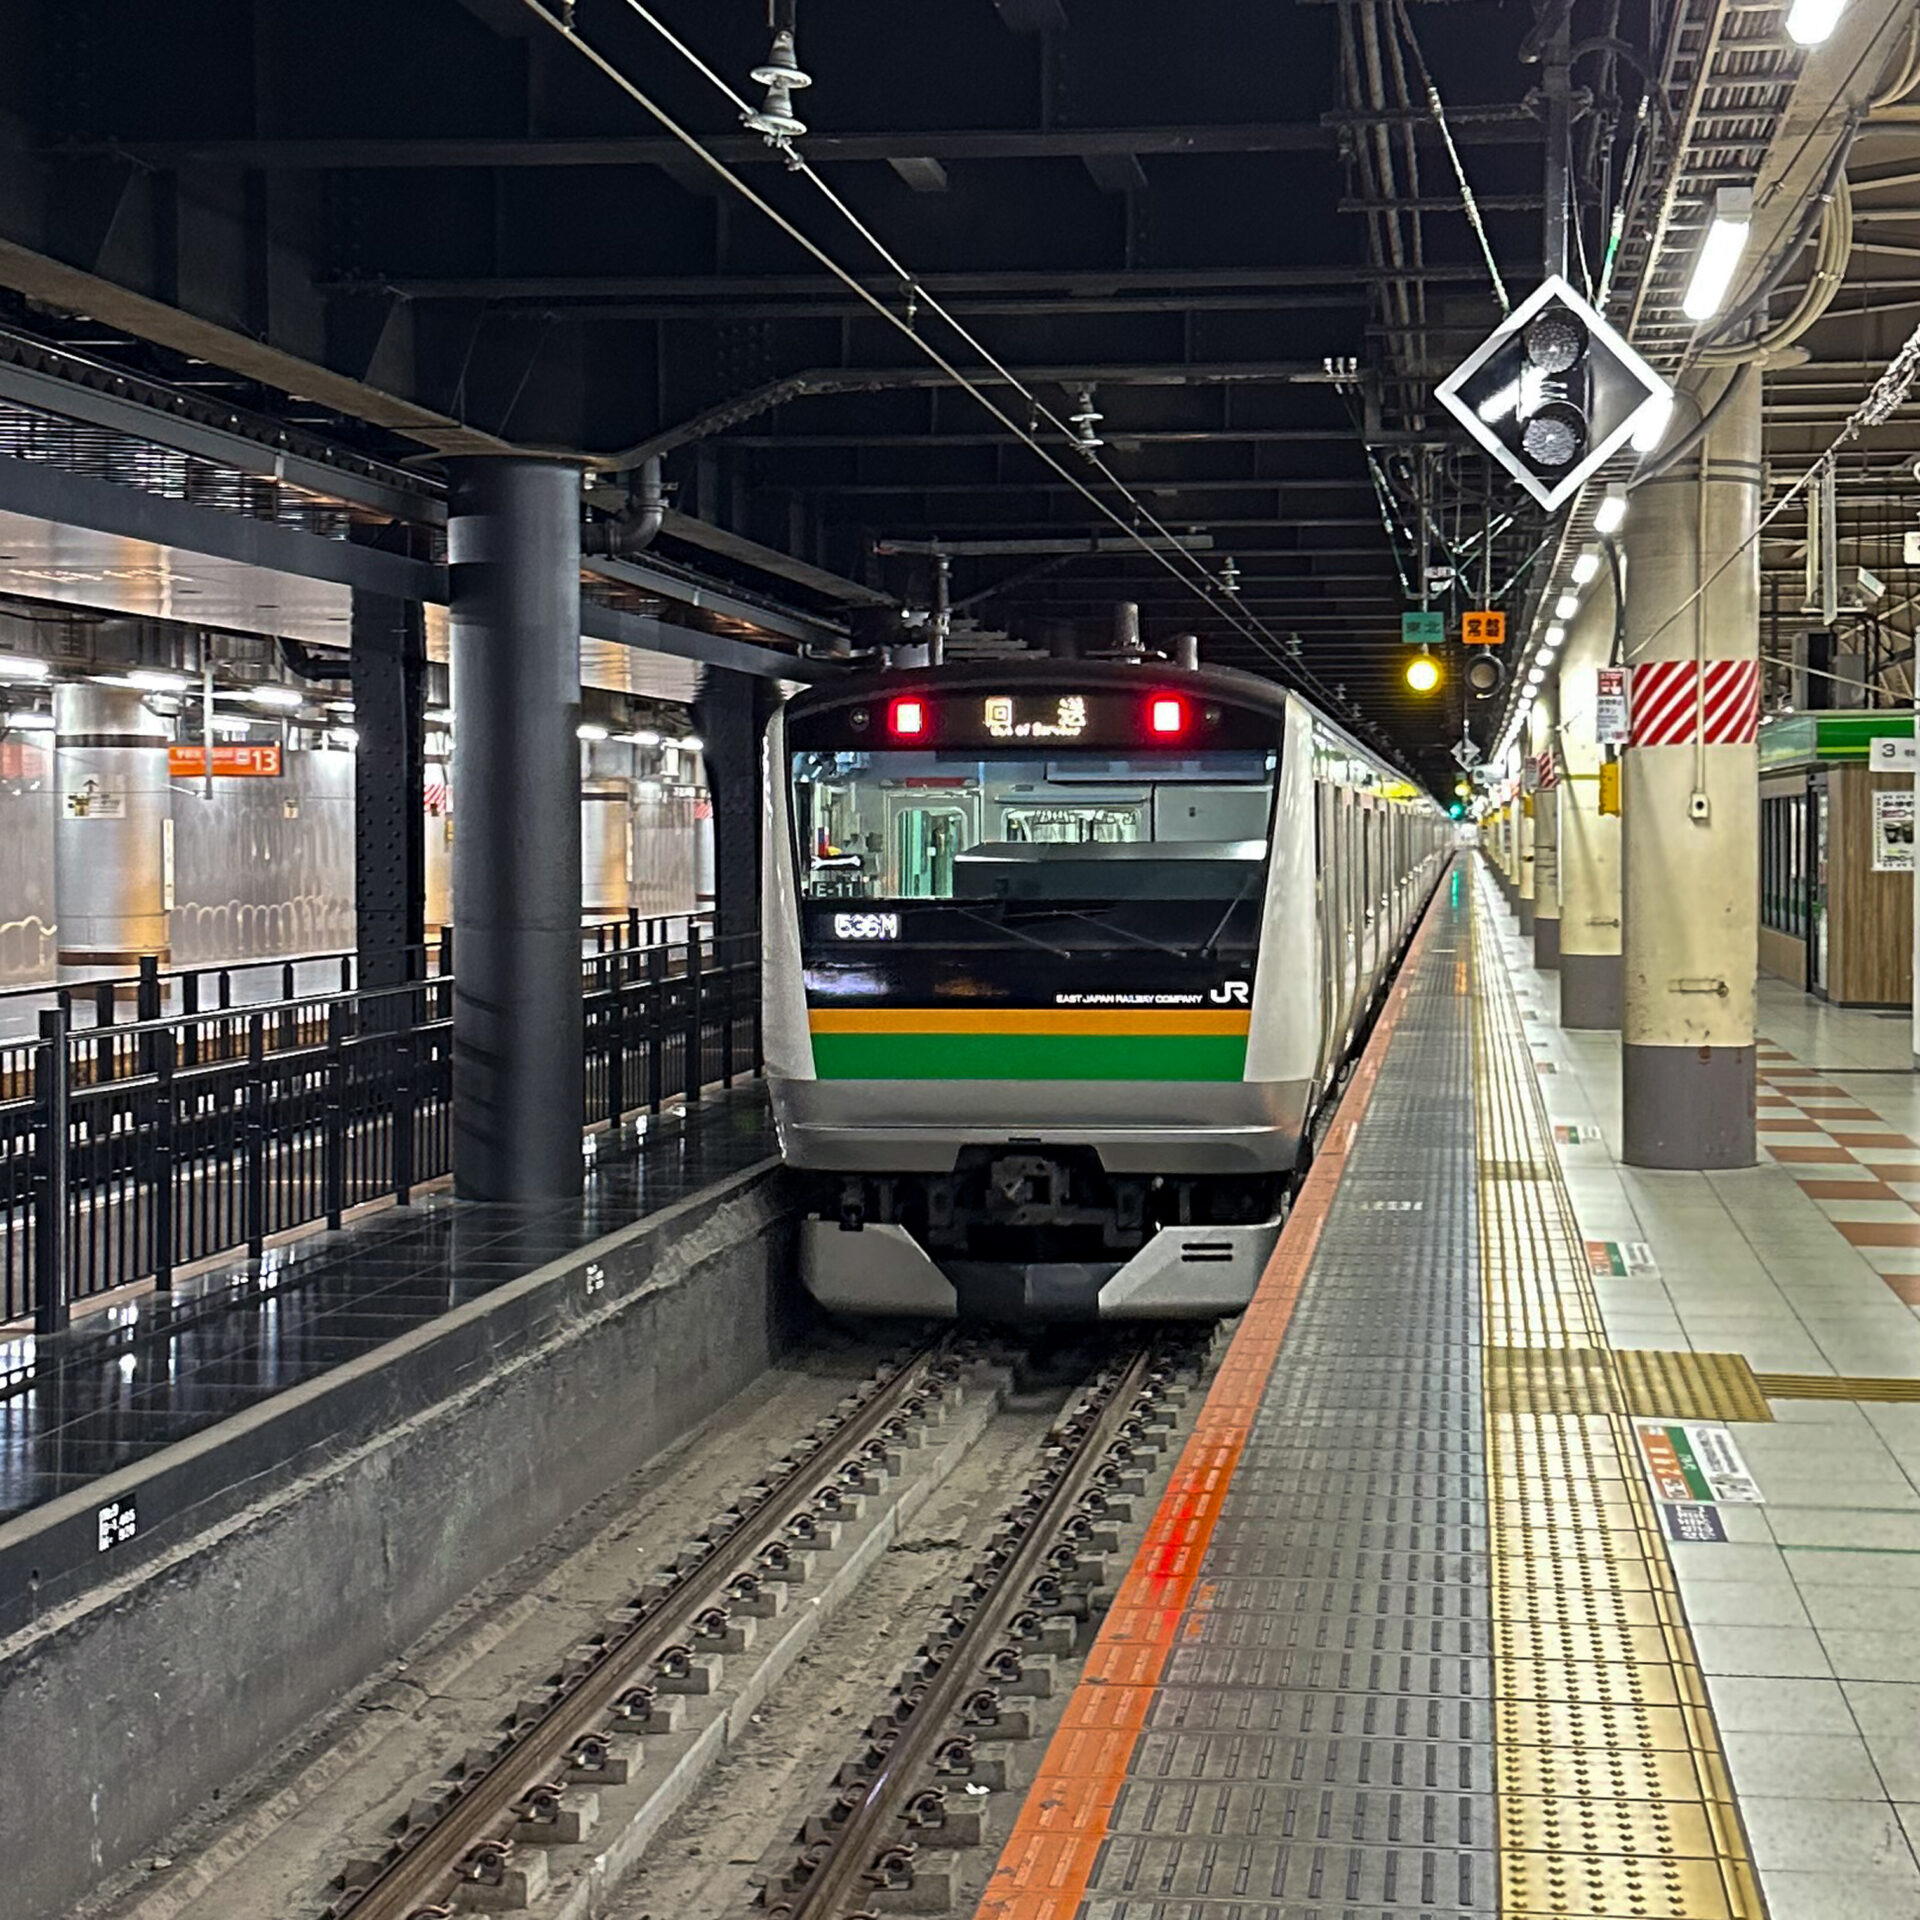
(1233,232)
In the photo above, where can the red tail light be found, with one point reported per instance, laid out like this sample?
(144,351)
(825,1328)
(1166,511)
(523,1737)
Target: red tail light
(1167,716)
(907,719)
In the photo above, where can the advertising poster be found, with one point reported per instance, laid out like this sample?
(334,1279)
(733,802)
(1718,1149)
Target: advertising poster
(1893,832)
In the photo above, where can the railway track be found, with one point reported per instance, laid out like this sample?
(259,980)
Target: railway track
(550,1811)
(477,1836)
(911,1796)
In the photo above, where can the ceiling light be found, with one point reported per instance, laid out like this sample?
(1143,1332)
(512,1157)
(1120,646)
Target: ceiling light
(1535,675)
(156,680)
(1810,21)
(284,699)
(1585,568)
(1720,252)
(691,743)
(29,722)
(439,716)
(1651,422)
(1541,658)
(1611,511)
(1556,635)
(1566,606)
(23,666)
(591,730)
(339,706)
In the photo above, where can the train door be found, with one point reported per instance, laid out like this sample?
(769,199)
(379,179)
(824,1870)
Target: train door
(925,833)
(1326,888)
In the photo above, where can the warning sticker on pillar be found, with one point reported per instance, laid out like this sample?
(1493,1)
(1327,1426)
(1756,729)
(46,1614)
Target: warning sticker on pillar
(1544,773)
(1670,707)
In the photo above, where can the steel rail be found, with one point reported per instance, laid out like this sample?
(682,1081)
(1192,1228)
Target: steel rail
(847,1857)
(470,1838)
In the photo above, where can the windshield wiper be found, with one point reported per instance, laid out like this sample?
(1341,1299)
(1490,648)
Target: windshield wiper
(1212,945)
(1124,933)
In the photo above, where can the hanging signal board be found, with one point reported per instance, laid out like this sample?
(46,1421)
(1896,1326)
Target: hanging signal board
(1483,629)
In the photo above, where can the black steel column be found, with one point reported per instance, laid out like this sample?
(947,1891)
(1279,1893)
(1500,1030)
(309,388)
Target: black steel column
(729,714)
(513,543)
(389,774)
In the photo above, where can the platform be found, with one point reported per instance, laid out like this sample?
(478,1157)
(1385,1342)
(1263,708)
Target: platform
(1549,1542)
(133,1379)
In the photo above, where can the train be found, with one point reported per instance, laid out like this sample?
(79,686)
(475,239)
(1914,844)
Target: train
(1061,959)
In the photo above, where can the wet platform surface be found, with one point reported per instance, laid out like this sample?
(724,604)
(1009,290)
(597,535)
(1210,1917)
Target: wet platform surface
(129,1381)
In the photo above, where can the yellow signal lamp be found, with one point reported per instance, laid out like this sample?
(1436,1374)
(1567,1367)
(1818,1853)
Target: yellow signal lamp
(1423,672)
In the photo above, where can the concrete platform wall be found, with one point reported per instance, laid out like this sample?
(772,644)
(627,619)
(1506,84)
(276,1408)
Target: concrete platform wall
(457,1448)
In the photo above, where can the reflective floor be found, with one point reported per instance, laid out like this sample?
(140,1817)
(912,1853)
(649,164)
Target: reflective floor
(130,1381)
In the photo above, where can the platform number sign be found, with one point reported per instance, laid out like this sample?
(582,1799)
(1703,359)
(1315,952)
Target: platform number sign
(1483,628)
(115,1524)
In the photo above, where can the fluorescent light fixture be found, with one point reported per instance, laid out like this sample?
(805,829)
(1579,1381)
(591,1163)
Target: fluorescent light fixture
(339,706)
(1810,21)
(1556,635)
(281,699)
(1585,568)
(23,666)
(1651,422)
(1612,511)
(644,737)
(1720,251)
(28,721)
(155,680)
(691,743)
(1566,606)
(439,716)
(591,730)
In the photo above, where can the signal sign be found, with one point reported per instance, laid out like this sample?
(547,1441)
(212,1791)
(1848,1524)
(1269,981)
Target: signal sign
(1483,629)
(1423,629)
(1553,392)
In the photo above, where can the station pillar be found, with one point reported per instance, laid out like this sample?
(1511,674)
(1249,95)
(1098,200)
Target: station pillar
(1690,801)
(1588,840)
(1544,725)
(513,550)
(1523,848)
(113,834)
(729,714)
(389,674)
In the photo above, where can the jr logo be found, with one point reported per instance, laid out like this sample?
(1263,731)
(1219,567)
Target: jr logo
(1231,993)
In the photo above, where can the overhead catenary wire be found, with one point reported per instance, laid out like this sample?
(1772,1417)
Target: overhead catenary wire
(1248,625)
(1439,112)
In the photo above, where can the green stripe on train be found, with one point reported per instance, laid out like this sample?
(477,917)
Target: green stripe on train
(1029,1056)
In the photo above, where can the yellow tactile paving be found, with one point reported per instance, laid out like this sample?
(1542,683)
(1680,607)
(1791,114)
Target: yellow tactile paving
(1613,1790)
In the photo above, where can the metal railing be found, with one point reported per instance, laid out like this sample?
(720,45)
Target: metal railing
(135,1150)
(153,990)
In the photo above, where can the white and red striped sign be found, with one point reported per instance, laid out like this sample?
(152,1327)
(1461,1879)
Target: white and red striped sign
(1546,776)
(1670,708)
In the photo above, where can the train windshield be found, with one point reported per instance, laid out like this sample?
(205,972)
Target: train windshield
(1149,849)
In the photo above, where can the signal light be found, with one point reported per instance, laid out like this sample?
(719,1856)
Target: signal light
(907,719)
(1457,811)
(1486,674)
(1167,715)
(1423,672)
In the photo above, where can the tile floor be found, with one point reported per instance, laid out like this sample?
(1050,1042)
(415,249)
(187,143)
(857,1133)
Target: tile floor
(1808,1620)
